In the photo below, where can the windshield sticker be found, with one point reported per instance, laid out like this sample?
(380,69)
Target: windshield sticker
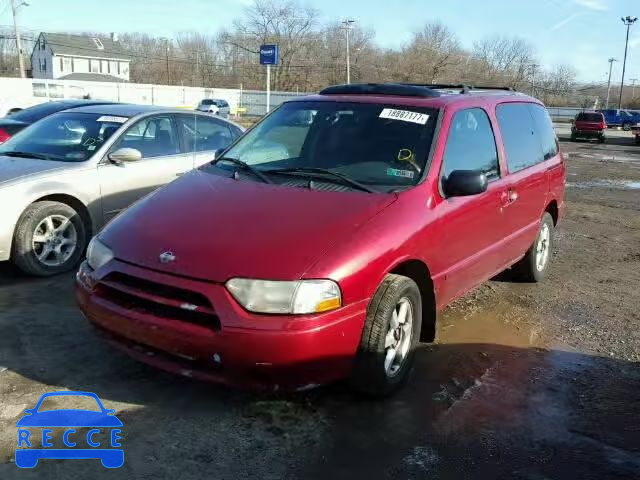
(112,119)
(394,172)
(404,116)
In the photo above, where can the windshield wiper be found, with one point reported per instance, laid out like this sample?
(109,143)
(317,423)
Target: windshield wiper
(321,172)
(244,166)
(39,156)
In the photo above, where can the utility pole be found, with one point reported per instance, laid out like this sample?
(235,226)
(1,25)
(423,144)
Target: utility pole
(534,68)
(14,9)
(611,60)
(633,87)
(347,25)
(628,21)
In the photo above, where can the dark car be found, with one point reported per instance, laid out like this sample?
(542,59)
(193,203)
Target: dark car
(589,125)
(321,244)
(17,120)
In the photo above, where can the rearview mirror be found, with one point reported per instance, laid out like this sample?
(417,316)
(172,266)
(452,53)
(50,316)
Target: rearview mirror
(218,152)
(462,183)
(123,155)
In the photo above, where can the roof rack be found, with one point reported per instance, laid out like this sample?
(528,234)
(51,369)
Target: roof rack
(462,87)
(400,89)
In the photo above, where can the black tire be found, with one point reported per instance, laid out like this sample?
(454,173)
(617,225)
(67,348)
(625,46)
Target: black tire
(24,256)
(573,137)
(602,139)
(369,374)
(527,269)
(626,127)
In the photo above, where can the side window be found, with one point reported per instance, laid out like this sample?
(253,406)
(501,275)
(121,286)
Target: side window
(544,128)
(153,137)
(521,142)
(471,144)
(202,133)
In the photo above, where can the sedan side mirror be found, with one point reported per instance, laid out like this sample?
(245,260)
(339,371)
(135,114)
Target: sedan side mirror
(218,152)
(462,183)
(123,155)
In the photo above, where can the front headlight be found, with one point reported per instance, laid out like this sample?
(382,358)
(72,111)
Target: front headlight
(98,253)
(298,297)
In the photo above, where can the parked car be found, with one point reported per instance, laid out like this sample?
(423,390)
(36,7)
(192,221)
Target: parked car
(19,119)
(620,118)
(215,106)
(65,176)
(320,245)
(589,125)
(635,130)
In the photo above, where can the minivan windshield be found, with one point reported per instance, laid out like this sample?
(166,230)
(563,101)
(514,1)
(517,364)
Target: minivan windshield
(382,146)
(64,136)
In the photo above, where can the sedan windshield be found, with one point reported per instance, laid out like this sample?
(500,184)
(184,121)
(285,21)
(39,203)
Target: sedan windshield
(380,146)
(65,136)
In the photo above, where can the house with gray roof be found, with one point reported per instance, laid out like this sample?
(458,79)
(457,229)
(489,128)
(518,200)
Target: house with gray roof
(79,57)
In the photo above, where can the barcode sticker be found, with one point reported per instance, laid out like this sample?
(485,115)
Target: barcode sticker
(404,116)
(112,119)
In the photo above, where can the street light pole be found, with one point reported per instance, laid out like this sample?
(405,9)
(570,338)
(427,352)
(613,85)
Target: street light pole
(14,9)
(633,87)
(611,60)
(628,21)
(534,67)
(347,25)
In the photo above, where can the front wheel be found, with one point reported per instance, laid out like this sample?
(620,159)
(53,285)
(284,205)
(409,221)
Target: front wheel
(50,238)
(389,337)
(533,267)
(626,127)
(602,139)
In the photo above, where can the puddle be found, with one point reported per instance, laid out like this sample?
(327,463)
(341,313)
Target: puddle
(508,325)
(600,183)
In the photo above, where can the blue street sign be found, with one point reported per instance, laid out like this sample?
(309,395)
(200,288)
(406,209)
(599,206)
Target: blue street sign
(268,54)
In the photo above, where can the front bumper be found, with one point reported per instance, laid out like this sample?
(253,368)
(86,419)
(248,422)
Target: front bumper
(242,349)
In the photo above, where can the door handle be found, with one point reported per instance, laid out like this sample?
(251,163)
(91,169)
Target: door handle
(508,197)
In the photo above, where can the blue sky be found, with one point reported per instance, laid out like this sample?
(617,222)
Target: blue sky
(583,33)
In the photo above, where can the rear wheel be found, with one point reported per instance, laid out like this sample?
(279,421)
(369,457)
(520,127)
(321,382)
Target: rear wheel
(573,137)
(390,335)
(626,127)
(50,238)
(533,267)
(602,139)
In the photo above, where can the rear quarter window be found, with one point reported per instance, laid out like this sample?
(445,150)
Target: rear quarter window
(522,143)
(544,127)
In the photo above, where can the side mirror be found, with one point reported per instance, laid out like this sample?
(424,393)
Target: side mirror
(29,411)
(462,183)
(218,152)
(109,411)
(123,155)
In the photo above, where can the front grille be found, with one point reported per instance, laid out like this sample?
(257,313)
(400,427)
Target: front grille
(165,301)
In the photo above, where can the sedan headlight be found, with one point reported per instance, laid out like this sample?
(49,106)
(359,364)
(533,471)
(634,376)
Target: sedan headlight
(298,297)
(98,253)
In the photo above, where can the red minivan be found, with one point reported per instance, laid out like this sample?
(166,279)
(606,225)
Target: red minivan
(321,244)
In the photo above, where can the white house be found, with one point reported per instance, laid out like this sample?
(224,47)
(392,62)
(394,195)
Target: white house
(79,57)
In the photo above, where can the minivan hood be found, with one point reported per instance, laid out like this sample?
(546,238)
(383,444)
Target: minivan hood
(13,168)
(219,228)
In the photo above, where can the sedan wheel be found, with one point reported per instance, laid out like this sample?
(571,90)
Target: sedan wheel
(398,339)
(54,240)
(50,238)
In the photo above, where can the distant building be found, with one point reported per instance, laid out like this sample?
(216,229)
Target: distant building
(79,57)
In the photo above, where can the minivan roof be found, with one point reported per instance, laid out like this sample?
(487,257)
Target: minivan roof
(434,96)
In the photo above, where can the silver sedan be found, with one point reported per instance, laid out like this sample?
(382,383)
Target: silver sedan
(64,177)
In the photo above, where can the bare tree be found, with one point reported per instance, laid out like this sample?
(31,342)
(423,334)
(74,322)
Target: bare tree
(506,59)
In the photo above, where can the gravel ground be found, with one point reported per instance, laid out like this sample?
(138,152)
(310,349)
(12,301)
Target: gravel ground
(525,381)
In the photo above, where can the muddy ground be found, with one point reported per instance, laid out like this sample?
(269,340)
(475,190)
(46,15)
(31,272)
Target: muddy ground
(525,381)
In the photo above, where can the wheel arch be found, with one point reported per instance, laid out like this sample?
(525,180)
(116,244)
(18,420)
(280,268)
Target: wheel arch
(75,203)
(419,272)
(552,209)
